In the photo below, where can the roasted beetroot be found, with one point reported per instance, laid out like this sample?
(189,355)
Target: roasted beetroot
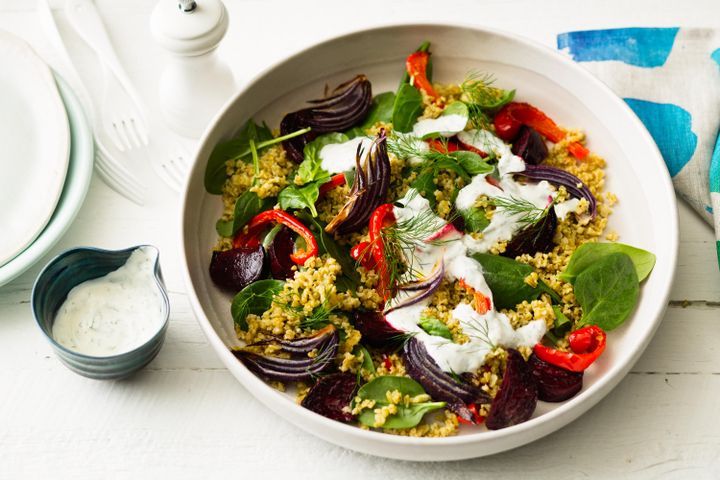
(375,329)
(530,146)
(554,384)
(331,396)
(346,107)
(421,367)
(518,395)
(534,238)
(279,253)
(237,268)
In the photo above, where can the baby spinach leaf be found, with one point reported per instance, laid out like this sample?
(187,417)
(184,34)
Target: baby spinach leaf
(560,327)
(349,279)
(254,299)
(406,108)
(588,254)
(424,183)
(433,326)
(406,417)
(215,170)
(455,108)
(293,197)
(367,363)
(607,291)
(381,110)
(311,167)
(506,279)
(475,219)
(471,162)
(246,207)
(378,387)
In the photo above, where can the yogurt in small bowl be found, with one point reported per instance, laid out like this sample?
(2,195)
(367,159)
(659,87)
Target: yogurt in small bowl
(105,312)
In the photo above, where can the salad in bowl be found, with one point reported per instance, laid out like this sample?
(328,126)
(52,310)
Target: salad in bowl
(420,261)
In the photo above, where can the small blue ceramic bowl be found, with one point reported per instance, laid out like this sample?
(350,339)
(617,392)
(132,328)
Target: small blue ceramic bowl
(71,268)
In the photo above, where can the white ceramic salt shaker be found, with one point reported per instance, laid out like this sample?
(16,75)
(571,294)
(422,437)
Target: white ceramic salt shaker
(195,82)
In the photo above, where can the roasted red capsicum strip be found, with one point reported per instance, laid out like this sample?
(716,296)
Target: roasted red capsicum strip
(382,217)
(514,115)
(262,221)
(482,303)
(362,252)
(416,66)
(586,344)
(334,182)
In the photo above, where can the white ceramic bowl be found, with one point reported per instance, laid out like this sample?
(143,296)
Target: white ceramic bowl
(646,215)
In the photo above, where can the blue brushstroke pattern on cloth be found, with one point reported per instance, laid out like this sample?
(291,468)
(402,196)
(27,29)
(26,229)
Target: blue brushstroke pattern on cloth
(643,47)
(716,56)
(670,127)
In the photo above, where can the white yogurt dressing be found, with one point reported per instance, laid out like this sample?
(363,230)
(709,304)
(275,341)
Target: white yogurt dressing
(113,314)
(503,225)
(340,157)
(486,331)
(444,125)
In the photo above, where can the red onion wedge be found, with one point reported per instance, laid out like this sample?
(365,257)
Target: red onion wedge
(293,369)
(556,176)
(346,107)
(421,367)
(372,179)
(418,291)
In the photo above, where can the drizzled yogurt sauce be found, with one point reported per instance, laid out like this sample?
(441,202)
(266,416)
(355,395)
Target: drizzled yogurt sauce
(486,331)
(340,157)
(113,314)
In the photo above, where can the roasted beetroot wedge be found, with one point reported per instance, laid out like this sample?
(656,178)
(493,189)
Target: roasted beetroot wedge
(331,396)
(530,146)
(375,329)
(421,367)
(346,107)
(279,253)
(237,268)
(554,384)
(534,238)
(518,395)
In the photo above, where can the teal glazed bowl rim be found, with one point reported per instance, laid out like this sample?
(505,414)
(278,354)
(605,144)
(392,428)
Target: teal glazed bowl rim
(45,302)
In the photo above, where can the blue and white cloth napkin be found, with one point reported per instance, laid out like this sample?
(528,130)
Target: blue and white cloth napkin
(670,77)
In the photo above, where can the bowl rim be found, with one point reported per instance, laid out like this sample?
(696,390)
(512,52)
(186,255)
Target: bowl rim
(83,357)
(532,429)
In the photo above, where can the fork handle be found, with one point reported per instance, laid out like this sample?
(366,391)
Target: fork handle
(85,20)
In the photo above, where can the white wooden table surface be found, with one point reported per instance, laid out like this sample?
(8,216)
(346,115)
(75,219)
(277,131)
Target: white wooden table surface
(185,416)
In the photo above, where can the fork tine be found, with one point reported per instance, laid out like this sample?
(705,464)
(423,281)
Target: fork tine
(131,132)
(163,172)
(122,133)
(112,133)
(141,130)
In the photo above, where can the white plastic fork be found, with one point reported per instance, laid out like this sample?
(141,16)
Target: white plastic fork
(106,163)
(123,117)
(173,168)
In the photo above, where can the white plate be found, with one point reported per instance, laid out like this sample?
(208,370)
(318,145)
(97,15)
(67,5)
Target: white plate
(77,182)
(35,141)
(646,215)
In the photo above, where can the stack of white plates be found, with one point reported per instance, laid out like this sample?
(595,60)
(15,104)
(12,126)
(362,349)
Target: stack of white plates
(46,157)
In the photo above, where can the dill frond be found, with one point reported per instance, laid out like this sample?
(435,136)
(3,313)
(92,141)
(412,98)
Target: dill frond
(528,212)
(481,96)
